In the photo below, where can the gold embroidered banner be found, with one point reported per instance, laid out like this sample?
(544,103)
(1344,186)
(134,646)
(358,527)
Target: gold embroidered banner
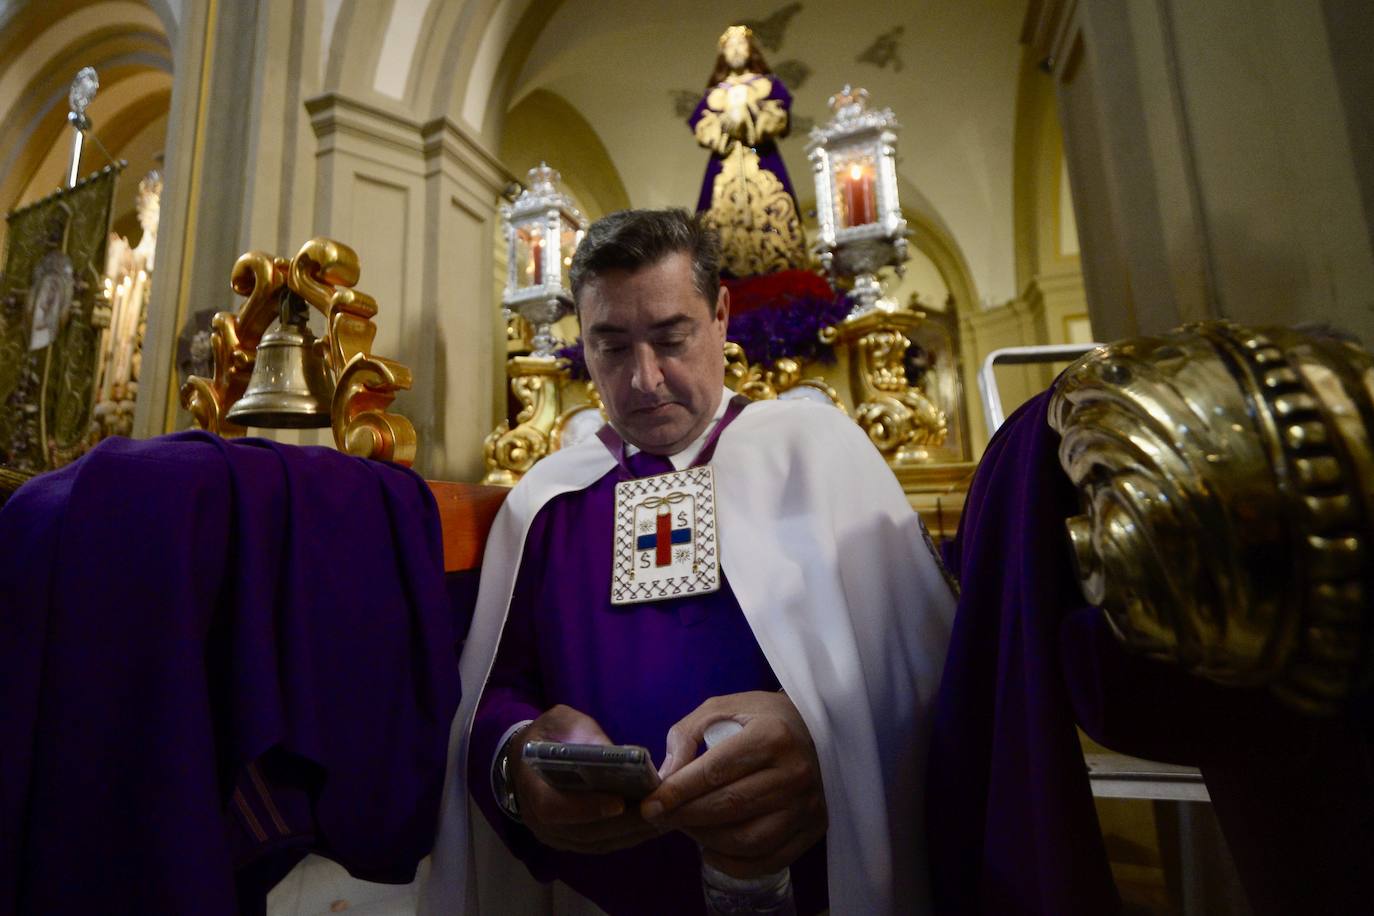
(52,309)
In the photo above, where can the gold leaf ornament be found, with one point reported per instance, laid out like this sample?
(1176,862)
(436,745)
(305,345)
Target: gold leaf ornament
(323,274)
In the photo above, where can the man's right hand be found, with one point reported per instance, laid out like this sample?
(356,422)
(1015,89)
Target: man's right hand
(588,822)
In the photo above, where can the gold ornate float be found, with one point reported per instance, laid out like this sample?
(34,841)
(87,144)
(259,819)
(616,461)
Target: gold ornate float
(908,421)
(286,378)
(1227,478)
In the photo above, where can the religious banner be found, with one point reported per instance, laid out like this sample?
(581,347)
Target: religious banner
(52,312)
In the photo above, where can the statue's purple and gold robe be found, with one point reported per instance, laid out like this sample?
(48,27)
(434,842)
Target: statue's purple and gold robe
(746,193)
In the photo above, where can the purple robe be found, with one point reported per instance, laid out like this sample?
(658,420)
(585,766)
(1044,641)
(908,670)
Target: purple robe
(636,669)
(769,157)
(1009,812)
(214,657)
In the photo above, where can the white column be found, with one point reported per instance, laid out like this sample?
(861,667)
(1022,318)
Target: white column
(1213,168)
(417,202)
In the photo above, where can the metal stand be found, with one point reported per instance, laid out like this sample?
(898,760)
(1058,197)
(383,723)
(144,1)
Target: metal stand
(82,91)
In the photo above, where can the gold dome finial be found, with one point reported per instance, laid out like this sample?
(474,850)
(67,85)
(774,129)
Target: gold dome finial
(1227,481)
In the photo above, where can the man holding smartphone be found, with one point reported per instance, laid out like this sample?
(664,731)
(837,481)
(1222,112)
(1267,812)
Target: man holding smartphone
(702,559)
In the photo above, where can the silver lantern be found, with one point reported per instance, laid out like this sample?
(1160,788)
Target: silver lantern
(543,229)
(854,158)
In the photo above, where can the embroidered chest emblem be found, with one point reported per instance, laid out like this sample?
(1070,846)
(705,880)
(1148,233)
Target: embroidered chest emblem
(665,537)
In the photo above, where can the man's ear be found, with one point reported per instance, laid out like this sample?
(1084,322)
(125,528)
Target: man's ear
(722,313)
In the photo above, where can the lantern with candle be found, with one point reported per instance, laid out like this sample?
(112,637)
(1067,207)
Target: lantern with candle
(542,231)
(854,160)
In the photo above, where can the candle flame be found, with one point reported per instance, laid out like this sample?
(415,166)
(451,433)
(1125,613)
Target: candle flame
(856,171)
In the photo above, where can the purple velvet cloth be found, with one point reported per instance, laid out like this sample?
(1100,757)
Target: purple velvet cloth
(635,669)
(1011,824)
(215,657)
(769,157)
(1008,809)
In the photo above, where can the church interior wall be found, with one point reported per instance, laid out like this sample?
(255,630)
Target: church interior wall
(232,179)
(1275,181)
(41,48)
(1212,161)
(519,79)
(138,135)
(984,158)
(130,118)
(1349,23)
(543,125)
(602,78)
(948,75)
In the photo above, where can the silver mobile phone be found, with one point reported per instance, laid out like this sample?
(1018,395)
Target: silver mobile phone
(618,769)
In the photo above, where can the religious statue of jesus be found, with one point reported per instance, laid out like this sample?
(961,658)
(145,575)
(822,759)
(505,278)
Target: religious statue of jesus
(746,194)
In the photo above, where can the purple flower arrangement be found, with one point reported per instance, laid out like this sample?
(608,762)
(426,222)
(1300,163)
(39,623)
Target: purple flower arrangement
(772,316)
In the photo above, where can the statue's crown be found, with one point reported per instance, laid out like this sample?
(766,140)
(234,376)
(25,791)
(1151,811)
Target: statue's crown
(743,31)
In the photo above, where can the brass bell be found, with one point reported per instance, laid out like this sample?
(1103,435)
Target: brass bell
(290,387)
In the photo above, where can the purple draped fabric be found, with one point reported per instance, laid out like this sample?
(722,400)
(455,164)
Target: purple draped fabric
(636,669)
(214,657)
(1009,812)
(769,157)
(1008,808)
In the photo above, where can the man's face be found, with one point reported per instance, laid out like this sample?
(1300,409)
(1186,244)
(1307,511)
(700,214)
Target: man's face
(654,347)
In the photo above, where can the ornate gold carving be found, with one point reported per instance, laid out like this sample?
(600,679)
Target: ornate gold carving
(322,273)
(593,402)
(736,364)
(899,419)
(10,482)
(234,338)
(511,452)
(1227,477)
(361,424)
(755,216)
(519,333)
(759,383)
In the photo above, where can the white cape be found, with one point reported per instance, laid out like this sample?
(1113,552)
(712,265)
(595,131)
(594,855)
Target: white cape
(812,523)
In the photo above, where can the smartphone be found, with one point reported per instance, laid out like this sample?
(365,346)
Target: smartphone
(618,769)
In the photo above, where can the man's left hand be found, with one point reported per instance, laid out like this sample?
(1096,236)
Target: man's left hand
(755,800)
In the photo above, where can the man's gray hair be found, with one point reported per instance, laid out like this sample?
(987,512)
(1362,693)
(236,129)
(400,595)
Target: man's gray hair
(631,239)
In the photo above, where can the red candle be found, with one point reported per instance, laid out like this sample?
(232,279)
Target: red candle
(858,196)
(537,261)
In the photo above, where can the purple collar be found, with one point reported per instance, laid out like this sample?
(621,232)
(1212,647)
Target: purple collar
(616,445)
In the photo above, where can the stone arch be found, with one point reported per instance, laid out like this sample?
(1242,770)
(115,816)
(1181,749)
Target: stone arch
(931,238)
(169,12)
(462,63)
(467,66)
(355,45)
(588,172)
(42,49)
(931,235)
(449,47)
